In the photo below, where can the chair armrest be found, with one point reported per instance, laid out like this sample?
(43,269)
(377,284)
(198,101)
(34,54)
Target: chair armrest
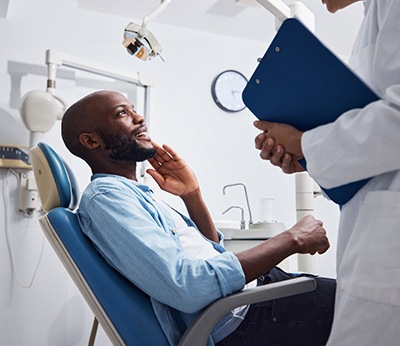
(198,333)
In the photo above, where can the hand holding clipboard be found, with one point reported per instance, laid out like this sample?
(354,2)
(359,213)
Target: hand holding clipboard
(302,83)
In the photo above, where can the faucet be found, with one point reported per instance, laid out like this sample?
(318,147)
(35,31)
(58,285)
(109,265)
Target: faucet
(242,222)
(247,198)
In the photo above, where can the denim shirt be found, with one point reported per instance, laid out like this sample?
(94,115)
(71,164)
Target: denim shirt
(135,234)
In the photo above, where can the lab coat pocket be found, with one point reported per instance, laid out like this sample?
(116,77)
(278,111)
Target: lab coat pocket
(371,265)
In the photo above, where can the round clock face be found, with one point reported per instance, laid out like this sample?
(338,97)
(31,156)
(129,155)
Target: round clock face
(227,89)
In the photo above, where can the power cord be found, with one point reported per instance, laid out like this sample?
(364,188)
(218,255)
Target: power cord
(8,235)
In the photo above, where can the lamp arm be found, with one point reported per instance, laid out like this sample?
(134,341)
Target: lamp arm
(281,11)
(277,7)
(160,8)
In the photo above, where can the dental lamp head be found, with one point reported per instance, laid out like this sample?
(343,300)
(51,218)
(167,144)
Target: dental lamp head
(39,111)
(139,41)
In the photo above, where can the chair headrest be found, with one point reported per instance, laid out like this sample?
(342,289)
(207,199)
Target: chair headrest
(55,180)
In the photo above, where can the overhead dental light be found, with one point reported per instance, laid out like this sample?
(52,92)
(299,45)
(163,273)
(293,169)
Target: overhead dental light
(139,41)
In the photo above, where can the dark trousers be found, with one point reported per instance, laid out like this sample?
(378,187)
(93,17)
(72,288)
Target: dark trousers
(303,320)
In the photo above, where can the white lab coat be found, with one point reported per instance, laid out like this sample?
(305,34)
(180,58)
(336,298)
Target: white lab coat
(365,143)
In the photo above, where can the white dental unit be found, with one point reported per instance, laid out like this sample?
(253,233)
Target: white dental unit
(241,238)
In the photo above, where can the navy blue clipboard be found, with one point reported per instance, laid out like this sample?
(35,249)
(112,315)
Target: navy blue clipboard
(302,83)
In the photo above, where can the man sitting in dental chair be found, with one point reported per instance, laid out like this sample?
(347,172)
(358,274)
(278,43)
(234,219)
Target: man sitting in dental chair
(180,262)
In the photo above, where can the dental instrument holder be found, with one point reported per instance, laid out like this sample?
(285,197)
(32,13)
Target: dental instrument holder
(247,198)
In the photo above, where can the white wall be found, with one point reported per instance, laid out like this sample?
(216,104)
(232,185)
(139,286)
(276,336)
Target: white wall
(219,147)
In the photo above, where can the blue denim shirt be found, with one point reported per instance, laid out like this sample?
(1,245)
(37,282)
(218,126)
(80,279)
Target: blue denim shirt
(136,236)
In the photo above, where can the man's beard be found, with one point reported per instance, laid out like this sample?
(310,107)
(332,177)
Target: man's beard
(124,148)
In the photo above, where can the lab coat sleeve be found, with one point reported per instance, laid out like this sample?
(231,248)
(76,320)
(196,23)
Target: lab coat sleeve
(364,143)
(360,144)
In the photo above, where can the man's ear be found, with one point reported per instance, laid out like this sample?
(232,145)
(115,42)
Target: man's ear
(89,140)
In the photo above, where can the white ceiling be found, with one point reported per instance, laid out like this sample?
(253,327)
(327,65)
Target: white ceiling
(230,18)
(227,17)
(3,8)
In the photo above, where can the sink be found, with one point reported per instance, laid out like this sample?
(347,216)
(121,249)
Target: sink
(227,227)
(260,230)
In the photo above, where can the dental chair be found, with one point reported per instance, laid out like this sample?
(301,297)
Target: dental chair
(124,311)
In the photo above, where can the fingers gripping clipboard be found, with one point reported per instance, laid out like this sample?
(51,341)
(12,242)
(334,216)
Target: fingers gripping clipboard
(301,82)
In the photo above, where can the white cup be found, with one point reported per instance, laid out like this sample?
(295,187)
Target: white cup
(265,206)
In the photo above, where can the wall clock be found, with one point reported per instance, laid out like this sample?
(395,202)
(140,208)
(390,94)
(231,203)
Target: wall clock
(226,90)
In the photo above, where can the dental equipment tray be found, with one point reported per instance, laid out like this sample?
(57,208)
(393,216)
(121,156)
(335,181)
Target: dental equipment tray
(302,83)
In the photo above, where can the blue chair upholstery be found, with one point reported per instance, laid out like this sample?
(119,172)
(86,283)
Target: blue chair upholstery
(123,310)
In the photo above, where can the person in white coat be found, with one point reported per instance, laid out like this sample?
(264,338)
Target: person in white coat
(361,143)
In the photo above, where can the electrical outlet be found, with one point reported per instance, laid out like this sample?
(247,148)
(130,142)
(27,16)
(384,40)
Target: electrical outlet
(14,157)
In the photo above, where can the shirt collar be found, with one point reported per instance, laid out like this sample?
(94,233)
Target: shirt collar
(121,178)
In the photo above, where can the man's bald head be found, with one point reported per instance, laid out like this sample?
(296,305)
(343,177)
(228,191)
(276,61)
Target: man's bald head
(80,118)
(104,130)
